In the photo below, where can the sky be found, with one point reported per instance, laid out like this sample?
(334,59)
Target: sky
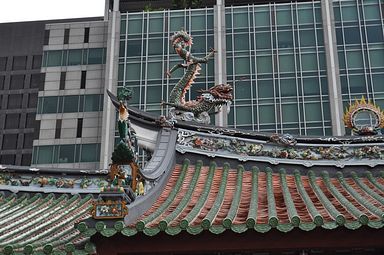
(29,10)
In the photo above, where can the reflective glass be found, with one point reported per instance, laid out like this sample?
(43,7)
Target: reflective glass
(133,71)
(89,153)
(45,154)
(92,103)
(74,57)
(54,58)
(71,104)
(67,153)
(50,104)
(95,56)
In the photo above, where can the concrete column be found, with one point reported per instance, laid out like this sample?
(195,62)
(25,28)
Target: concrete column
(221,118)
(111,71)
(333,74)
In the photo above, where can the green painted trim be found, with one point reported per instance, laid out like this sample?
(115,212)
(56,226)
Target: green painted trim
(335,214)
(316,216)
(348,205)
(207,221)
(227,222)
(372,208)
(202,200)
(292,212)
(140,225)
(163,224)
(253,207)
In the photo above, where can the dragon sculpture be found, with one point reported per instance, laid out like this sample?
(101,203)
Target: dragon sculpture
(197,109)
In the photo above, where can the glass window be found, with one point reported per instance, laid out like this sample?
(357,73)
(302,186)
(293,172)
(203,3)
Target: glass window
(54,58)
(176,23)
(289,113)
(240,20)
(285,39)
(3,63)
(67,153)
(45,154)
(155,25)
(19,63)
(262,19)
(243,90)
(198,23)
(154,94)
(92,103)
(283,17)
(311,86)
(36,79)
(74,57)
(30,120)
(372,12)
(2,79)
(286,63)
(10,141)
(95,56)
(263,40)
(243,115)
(288,87)
(154,70)
(309,62)
(133,72)
(378,81)
(375,34)
(265,88)
(242,65)
(133,48)
(134,26)
(50,104)
(15,101)
(305,16)
(155,46)
(313,112)
(267,114)
(349,13)
(357,84)
(12,121)
(199,44)
(264,64)
(352,35)
(354,59)
(241,42)
(8,159)
(89,153)
(307,38)
(377,58)
(32,100)
(17,82)
(71,104)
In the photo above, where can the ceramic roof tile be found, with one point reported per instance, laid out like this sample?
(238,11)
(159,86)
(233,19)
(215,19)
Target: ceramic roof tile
(199,197)
(42,223)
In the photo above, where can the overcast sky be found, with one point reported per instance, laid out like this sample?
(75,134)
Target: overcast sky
(28,10)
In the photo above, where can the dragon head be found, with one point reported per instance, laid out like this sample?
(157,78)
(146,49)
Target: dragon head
(218,94)
(181,39)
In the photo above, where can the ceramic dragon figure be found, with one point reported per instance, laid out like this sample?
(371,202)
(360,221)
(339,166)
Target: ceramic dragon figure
(197,109)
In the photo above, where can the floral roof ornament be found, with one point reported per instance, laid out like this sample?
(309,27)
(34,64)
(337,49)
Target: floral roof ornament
(364,118)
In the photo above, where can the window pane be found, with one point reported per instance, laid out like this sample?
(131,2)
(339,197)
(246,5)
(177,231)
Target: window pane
(311,86)
(263,40)
(377,58)
(288,87)
(241,42)
(198,23)
(285,39)
(74,57)
(71,103)
(307,38)
(54,58)
(95,56)
(378,81)
(349,13)
(154,70)
(242,66)
(357,84)
(267,114)
(155,46)
(243,90)
(312,112)
(243,115)
(19,62)
(305,16)
(91,103)
(264,64)
(372,12)
(354,59)
(375,34)
(17,82)
(154,94)
(12,121)
(176,23)
(309,62)
(89,153)
(15,101)
(265,88)
(134,26)
(132,72)
(352,35)
(45,154)
(240,20)
(290,113)
(155,25)
(50,104)
(67,153)
(286,63)
(262,19)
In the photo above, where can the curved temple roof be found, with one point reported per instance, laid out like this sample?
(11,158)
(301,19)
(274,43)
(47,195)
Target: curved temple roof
(201,197)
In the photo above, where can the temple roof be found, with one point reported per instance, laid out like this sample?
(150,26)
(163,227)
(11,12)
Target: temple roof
(216,198)
(37,223)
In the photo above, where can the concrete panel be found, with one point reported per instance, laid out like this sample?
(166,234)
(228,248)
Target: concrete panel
(47,134)
(75,32)
(90,132)
(69,123)
(90,122)
(73,75)
(68,133)
(51,85)
(48,124)
(52,76)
